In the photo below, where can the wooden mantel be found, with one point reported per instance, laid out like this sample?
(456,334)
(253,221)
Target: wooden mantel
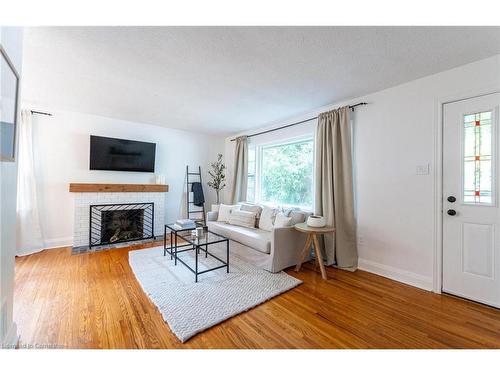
(117,188)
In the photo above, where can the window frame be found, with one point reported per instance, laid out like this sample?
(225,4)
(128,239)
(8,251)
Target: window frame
(259,148)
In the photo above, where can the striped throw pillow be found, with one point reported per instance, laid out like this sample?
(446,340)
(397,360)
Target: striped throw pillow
(242,218)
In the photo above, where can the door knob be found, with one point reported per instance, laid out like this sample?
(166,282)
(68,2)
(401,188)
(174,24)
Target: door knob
(452,199)
(451,212)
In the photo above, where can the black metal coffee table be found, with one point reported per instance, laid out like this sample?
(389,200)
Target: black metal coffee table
(174,229)
(198,244)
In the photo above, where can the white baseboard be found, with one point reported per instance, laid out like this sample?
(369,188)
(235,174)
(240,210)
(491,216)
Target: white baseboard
(403,276)
(58,242)
(11,339)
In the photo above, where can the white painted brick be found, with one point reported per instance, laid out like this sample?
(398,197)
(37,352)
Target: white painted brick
(82,202)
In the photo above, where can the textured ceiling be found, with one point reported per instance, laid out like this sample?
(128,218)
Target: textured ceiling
(223,80)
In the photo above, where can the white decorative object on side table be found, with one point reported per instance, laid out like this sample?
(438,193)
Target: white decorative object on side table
(316,221)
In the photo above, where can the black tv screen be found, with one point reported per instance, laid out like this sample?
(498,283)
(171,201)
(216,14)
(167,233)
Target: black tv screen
(113,154)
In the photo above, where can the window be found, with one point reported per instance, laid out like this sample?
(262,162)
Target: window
(477,164)
(281,174)
(251,175)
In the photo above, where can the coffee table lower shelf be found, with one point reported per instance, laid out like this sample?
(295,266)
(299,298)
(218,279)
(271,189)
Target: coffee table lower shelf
(198,244)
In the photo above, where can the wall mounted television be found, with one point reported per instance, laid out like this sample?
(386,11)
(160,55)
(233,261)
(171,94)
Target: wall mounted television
(113,154)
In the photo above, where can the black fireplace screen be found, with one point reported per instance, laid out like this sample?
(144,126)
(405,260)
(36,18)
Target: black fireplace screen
(114,223)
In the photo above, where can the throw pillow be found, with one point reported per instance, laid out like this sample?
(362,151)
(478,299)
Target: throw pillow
(267,218)
(225,212)
(288,210)
(252,208)
(242,218)
(298,216)
(282,221)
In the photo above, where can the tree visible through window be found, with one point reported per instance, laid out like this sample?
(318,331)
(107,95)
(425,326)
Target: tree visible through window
(282,174)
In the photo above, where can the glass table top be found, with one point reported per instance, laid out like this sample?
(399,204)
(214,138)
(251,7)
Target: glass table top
(206,238)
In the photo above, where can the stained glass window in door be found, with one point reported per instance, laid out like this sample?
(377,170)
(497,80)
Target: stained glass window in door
(478,167)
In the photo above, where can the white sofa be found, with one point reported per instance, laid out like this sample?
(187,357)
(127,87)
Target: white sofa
(271,250)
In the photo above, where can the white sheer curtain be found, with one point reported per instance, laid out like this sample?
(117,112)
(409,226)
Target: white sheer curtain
(29,234)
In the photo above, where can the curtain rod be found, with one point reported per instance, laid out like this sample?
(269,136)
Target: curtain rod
(351,107)
(41,113)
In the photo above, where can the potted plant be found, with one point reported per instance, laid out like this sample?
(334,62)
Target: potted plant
(218,179)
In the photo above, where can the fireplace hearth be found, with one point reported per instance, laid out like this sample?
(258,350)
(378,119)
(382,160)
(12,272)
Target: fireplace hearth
(116,223)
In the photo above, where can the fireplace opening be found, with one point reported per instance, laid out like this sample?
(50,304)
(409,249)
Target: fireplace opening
(121,225)
(114,223)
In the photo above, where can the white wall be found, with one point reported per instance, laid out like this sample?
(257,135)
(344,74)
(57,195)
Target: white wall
(61,145)
(394,134)
(12,41)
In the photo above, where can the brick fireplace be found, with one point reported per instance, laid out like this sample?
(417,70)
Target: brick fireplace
(108,217)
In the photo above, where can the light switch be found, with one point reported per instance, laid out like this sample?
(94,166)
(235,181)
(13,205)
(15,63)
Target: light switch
(423,169)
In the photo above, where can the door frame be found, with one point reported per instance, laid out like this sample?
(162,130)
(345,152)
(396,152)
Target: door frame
(440,102)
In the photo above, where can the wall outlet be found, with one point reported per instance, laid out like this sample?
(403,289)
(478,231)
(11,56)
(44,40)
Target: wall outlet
(361,240)
(422,169)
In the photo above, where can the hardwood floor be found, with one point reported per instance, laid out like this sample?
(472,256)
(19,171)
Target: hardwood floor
(94,301)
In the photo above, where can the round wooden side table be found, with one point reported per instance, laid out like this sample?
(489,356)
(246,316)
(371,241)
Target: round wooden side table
(312,233)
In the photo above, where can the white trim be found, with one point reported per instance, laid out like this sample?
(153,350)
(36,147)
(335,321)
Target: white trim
(437,282)
(473,299)
(58,242)
(437,240)
(403,276)
(11,338)
(50,244)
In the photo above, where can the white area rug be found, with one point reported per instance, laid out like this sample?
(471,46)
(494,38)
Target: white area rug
(189,307)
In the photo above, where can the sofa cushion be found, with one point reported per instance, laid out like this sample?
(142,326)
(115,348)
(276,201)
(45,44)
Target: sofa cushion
(297,216)
(266,220)
(242,218)
(257,239)
(252,208)
(288,210)
(282,221)
(225,211)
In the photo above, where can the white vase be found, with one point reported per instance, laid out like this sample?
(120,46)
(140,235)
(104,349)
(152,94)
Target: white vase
(215,207)
(160,179)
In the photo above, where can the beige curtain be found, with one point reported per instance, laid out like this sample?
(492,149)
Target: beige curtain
(334,198)
(240,170)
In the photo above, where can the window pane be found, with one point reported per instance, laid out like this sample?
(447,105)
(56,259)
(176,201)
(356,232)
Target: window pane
(251,152)
(477,165)
(251,160)
(251,188)
(469,180)
(287,174)
(251,174)
(469,141)
(485,144)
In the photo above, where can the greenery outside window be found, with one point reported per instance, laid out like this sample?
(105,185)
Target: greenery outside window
(281,174)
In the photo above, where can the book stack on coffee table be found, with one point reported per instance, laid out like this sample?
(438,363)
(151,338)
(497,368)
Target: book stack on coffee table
(184,224)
